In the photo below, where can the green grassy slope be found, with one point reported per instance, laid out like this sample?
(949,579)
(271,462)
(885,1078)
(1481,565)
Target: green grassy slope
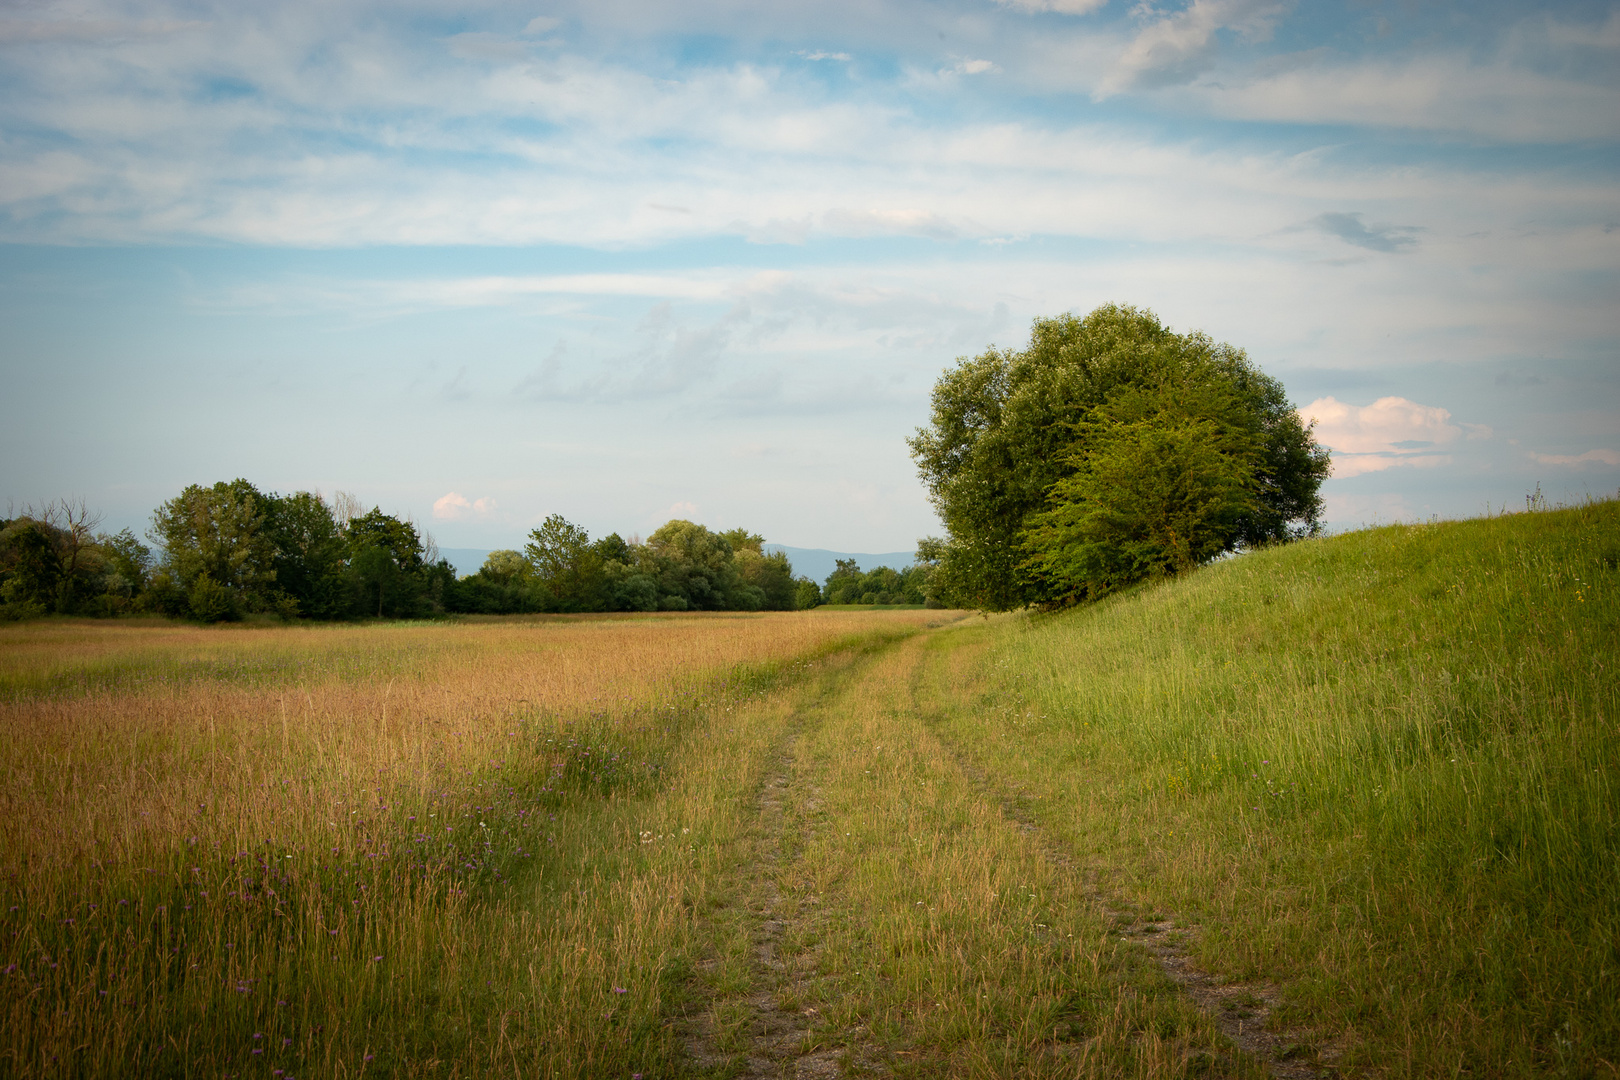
(1380,768)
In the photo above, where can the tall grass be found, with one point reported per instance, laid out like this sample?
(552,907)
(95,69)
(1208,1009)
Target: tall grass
(1377,769)
(928,935)
(391,850)
(1381,766)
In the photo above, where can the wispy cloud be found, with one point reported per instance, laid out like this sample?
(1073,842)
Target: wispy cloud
(1439,91)
(1591,457)
(1352,229)
(1176,48)
(1062,7)
(93,31)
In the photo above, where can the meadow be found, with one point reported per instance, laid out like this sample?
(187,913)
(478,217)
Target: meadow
(1374,773)
(1356,793)
(386,850)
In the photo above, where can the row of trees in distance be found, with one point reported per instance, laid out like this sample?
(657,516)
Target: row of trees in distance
(222,552)
(848,584)
(680,567)
(219,553)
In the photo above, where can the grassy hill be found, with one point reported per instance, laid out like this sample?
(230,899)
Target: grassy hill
(1378,769)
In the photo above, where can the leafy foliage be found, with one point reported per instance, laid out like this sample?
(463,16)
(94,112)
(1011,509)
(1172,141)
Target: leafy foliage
(682,566)
(1110,449)
(848,584)
(230,550)
(216,550)
(565,566)
(51,560)
(1159,487)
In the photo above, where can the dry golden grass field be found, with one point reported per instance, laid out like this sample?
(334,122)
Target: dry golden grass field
(226,847)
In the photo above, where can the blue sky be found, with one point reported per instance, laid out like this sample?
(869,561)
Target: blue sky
(628,260)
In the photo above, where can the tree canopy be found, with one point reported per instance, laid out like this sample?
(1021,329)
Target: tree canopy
(848,584)
(1109,450)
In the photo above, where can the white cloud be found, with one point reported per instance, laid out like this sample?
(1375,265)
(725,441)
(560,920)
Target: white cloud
(684,510)
(1062,7)
(910,222)
(93,30)
(1591,457)
(1435,92)
(1177,48)
(453,506)
(1388,425)
(819,55)
(1390,433)
(1348,465)
(329,157)
(490,47)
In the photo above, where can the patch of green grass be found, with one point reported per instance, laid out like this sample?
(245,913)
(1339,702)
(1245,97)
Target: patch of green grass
(926,934)
(1380,766)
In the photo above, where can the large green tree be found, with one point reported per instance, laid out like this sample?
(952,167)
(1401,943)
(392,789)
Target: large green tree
(764,579)
(217,559)
(692,565)
(567,568)
(309,552)
(1033,458)
(388,569)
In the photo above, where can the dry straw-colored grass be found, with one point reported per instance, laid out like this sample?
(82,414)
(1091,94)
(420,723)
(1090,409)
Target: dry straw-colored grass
(173,718)
(351,850)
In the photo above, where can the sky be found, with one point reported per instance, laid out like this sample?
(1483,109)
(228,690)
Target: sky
(629,260)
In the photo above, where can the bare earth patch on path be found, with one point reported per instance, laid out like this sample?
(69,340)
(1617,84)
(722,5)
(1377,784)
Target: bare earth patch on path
(758,1022)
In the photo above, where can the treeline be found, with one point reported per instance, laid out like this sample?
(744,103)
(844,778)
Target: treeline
(681,567)
(230,550)
(880,585)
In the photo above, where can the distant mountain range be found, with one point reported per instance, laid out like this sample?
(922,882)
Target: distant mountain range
(817,563)
(813,563)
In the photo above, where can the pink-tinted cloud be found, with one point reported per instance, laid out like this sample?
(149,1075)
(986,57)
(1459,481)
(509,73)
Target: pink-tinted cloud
(454,506)
(1392,432)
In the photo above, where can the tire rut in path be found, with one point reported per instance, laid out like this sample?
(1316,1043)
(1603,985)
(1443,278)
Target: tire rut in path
(1241,1011)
